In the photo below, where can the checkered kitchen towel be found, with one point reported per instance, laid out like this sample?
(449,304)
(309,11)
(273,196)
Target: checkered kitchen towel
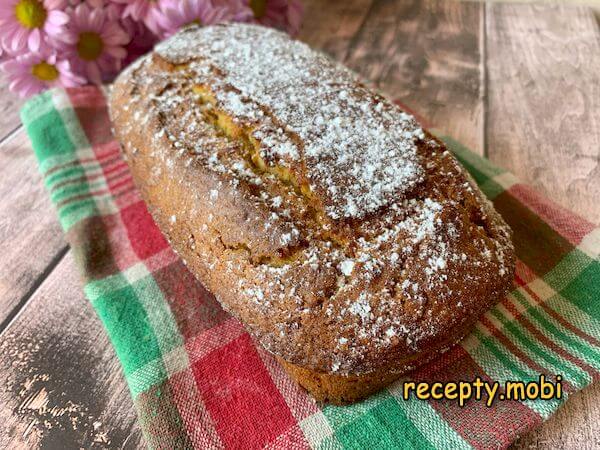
(198,380)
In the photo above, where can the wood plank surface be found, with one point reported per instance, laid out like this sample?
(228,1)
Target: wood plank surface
(332,27)
(62,384)
(428,55)
(64,388)
(576,425)
(30,236)
(543,118)
(9,109)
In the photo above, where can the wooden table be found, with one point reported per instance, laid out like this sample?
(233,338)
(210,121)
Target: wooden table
(517,83)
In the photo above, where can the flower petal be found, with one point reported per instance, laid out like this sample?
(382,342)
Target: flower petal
(58,18)
(34,40)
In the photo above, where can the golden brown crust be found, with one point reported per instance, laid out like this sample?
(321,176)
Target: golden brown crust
(344,389)
(340,389)
(271,211)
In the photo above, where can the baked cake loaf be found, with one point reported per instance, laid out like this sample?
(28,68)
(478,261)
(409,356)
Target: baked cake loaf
(347,240)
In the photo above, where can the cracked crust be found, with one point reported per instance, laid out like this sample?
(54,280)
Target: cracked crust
(344,256)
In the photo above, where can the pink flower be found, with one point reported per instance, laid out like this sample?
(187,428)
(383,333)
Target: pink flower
(114,9)
(142,10)
(283,14)
(142,39)
(174,15)
(27,23)
(94,42)
(33,72)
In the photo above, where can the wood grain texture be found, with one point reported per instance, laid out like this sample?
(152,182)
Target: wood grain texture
(332,27)
(30,236)
(428,55)
(576,425)
(543,118)
(9,109)
(62,384)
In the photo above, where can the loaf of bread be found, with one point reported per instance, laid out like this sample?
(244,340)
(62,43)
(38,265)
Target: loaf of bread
(348,241)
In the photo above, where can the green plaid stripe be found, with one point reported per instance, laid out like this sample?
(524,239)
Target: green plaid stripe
(59,143)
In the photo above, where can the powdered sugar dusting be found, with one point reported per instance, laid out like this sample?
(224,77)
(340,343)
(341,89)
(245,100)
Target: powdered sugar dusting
(329,293)
(359,149)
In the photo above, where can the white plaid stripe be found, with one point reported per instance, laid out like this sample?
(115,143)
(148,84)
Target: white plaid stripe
(199,425)
(499,372)
(550,367)
(422,415)
(300,405)
(524,304)
(506,180)
(160,316)
(590,244)
(63,106)
(523,346)
(575,316)
(316,429)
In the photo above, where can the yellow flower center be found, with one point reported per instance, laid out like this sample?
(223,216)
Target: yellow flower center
(90,45)
(194,22)
(44,71)
(30,13)
(259,8)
